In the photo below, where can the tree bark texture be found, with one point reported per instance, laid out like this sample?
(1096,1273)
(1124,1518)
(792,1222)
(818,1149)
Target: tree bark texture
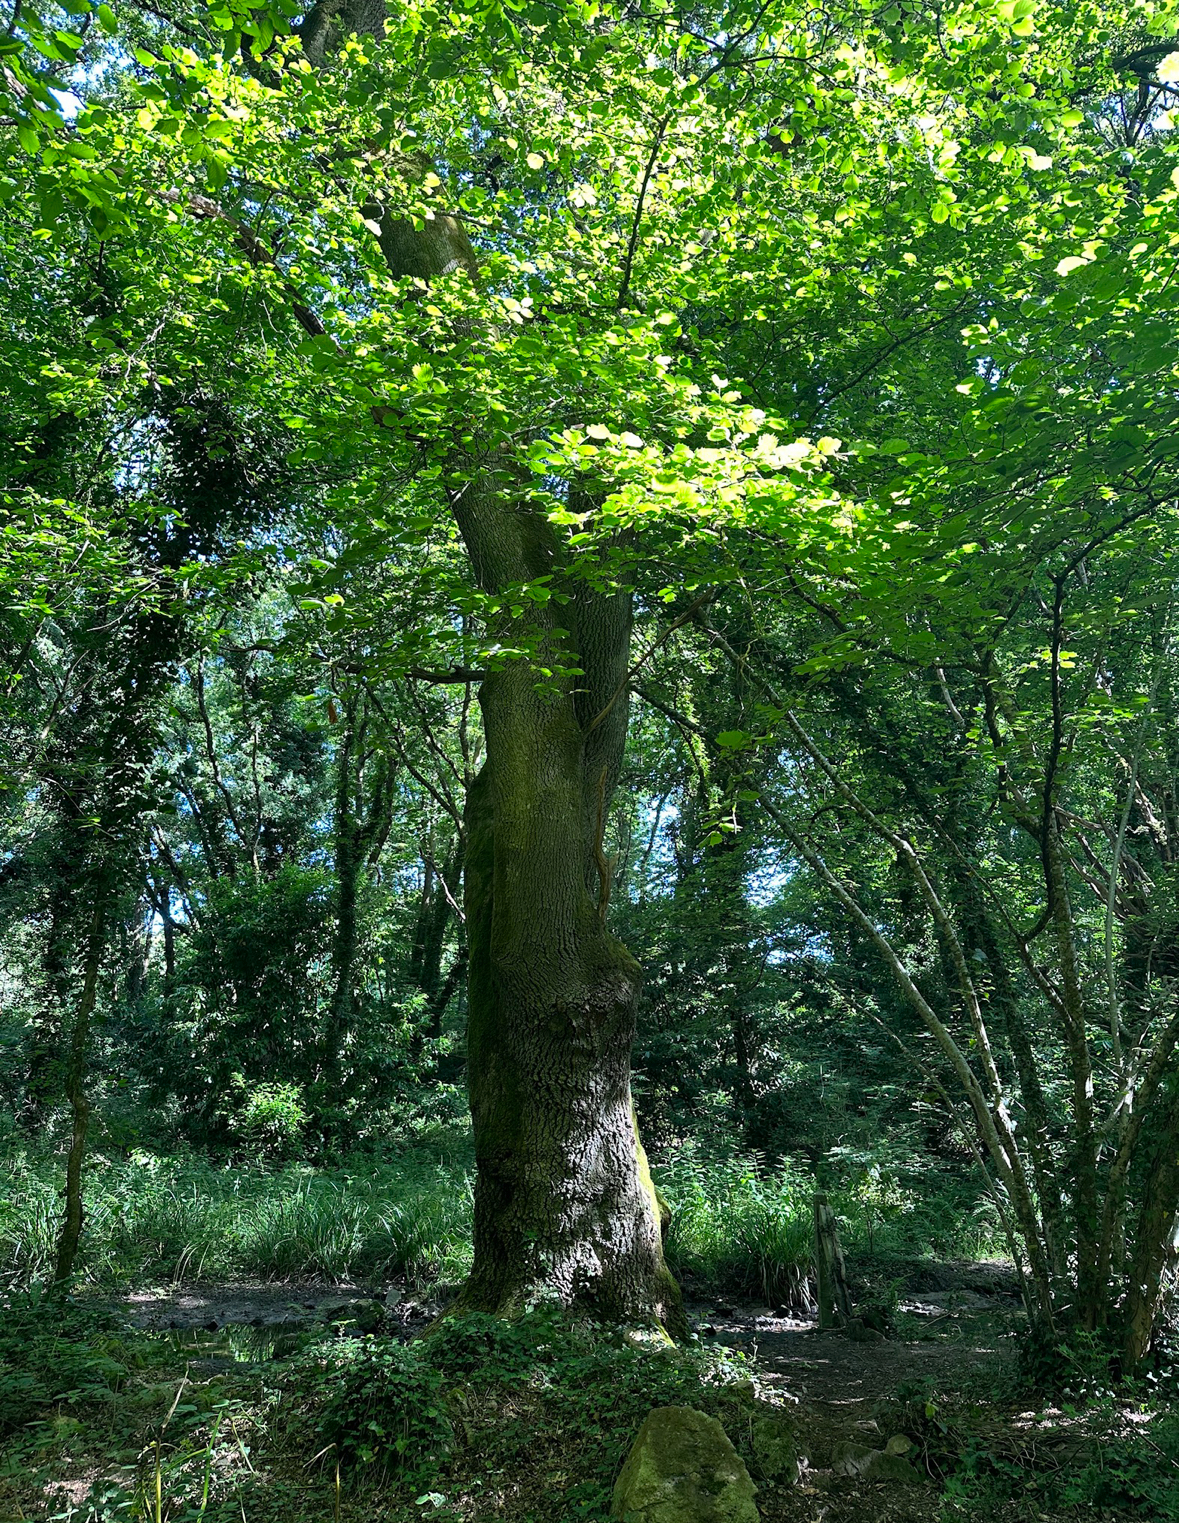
(1155,1246)
(832,1293)
(564,1203)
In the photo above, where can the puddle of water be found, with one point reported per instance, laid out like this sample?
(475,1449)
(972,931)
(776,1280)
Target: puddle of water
(242,1344)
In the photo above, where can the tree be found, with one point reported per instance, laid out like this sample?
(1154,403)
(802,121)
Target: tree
(511,262)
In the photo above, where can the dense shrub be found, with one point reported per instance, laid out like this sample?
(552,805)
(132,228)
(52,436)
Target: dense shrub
(380,1405)
(271,1118)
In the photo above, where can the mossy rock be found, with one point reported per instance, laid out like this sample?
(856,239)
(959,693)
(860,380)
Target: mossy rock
(775,1447)
(683,1469)
(862,1330)
(892,1468)
(367,1316)
(873,1465)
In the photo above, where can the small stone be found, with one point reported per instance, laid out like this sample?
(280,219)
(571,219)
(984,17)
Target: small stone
(891,1467)
(873,1465)
(683,1469)
(850,1459)
(899,1443)
(369,1316)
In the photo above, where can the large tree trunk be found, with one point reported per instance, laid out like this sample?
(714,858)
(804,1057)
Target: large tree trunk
(564,1204)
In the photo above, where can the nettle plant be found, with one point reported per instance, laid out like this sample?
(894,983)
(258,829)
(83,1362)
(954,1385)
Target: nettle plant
(380,1408)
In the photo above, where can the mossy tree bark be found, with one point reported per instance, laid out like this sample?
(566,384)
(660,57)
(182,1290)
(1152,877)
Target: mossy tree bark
(564,1204)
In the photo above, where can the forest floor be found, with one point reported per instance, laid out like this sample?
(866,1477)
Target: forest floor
(943,1378)
(953,1341)
(951,1353)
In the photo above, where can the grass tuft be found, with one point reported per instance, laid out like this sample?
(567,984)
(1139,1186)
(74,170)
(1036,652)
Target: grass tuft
(739,1228)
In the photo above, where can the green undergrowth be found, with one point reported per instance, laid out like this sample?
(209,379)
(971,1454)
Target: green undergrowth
(91,1412)
(151,1218)
(739,1225)
(739,1228)
(744,1226)
(1105,1465)
(483,1419)
(999,1454)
